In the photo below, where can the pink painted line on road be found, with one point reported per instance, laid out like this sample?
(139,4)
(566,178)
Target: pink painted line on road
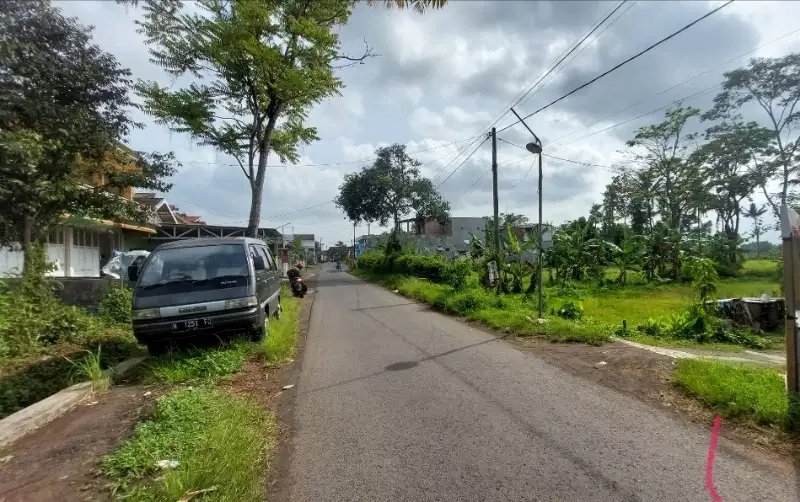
(712,454)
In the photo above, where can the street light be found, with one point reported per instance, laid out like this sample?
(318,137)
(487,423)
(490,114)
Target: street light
(535,147)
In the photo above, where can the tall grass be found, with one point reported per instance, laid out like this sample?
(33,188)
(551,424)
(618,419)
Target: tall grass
(219,441)
(734,390)
(90,368)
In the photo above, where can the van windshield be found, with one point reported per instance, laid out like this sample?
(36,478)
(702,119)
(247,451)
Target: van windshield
(190,264)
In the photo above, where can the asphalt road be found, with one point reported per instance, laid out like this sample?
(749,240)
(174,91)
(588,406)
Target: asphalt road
(398,403)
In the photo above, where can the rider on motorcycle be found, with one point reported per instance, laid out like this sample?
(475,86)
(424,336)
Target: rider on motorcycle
(294,274)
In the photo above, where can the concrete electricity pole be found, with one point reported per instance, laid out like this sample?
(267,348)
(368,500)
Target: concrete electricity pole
(495,202)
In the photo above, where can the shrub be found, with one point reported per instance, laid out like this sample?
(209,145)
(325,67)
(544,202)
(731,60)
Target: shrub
(467,302)
(570,310)
(115,306)
(456,274)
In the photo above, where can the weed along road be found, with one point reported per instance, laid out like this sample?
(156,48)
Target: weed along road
(395,402)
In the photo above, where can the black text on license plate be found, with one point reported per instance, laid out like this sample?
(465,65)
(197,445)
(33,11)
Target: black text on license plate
(191,325)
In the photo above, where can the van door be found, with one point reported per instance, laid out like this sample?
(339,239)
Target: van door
(262,274)
(273,279)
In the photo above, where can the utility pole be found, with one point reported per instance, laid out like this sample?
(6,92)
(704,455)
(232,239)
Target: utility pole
(354,242)
(536,148)
(541,249)
(790,234)
(494,196)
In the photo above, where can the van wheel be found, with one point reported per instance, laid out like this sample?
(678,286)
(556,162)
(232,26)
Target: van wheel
(258,334)
(278,312)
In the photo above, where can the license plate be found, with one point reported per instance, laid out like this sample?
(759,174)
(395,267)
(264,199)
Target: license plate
(191,325)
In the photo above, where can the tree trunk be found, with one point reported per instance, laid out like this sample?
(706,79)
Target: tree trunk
(257,185)
(27,241)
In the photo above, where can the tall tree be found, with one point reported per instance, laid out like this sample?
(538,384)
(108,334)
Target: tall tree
(774,85)
(63,113)
(664,150)
(256,69)
(731,165)
(392,187)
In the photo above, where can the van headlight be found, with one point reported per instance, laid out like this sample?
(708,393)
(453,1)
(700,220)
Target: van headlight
(144,314)
(241,303)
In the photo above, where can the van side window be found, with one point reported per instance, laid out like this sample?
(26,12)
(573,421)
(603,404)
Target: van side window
(264,256)
(270,258)
(254,254)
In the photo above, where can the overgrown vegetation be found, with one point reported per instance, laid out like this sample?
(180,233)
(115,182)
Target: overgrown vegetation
(736,391)
(204,439)
(46,346)
(664,313)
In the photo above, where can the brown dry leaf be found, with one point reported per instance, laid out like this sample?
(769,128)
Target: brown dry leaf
(190,495)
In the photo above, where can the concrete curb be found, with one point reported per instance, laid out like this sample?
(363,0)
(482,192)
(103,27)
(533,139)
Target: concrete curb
(48,409)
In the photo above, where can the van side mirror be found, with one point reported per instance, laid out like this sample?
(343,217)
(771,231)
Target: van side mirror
(133,273)
(258,263)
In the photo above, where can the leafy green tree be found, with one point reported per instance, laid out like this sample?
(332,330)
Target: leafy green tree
(773,84)
(663,150)
(392,187)
(63,114)
(256,67)
(730,164)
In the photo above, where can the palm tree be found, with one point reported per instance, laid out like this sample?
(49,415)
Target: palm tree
(418,5)
(755,213)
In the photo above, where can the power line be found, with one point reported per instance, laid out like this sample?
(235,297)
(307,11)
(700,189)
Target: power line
(692,96)
(462,162)
(344,163)
(554,142)
(501,114)
(565,56)
(620,65)
(560,158)
(609,25)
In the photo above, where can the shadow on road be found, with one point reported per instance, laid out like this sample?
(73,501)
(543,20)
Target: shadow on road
(404,365)
(401,365)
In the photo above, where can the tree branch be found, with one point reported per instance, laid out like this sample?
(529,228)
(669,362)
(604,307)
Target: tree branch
(352,61)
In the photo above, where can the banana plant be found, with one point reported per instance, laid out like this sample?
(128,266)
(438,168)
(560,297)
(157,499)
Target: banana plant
(517,267)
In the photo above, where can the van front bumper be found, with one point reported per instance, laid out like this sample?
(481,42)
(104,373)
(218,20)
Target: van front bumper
(158,330)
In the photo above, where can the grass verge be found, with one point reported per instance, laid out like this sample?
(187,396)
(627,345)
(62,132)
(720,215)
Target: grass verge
(511,313)
(219,441)
(204,440)
(745,392)
(210,364)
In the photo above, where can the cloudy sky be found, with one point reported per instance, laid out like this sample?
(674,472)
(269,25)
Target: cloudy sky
(442,78)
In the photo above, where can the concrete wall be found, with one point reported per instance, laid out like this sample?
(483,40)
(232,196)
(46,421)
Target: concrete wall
(83,291)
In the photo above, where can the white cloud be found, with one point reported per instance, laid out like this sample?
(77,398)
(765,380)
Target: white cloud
(442,76)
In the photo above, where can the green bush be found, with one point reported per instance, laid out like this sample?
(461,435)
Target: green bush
(115,306)
(570,310)
(466,302)
(456,274)
(373,261)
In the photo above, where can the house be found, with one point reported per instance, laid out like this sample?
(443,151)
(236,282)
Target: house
(308,247)
(449,239)
(80,246)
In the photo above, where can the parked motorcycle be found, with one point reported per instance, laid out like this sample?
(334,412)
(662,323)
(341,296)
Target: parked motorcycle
(299,288)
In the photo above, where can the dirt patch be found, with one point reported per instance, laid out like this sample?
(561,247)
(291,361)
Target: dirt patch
(61,461)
